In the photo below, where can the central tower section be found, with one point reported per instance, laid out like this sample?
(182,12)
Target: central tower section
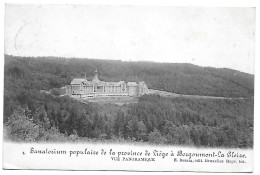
(95,78)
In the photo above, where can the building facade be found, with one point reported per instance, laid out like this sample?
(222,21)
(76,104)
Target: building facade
(82,88)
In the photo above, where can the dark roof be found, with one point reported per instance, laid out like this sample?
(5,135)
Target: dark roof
(77,81)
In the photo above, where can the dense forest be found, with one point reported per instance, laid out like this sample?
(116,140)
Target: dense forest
(48,72)
(30,115)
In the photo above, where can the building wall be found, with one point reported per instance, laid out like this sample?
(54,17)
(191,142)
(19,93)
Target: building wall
(142,88)
(132,90)
(82,90)
(88,89)
(117,89)
(68,90)
(75,89)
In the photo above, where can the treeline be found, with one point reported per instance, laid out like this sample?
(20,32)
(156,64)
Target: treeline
(50,72)
(32,115)
(154,119)
(207,122)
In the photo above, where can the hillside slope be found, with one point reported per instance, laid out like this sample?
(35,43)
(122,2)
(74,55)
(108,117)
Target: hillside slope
(49,72)
(32,116)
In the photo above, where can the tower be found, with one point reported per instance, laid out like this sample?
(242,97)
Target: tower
(95,78)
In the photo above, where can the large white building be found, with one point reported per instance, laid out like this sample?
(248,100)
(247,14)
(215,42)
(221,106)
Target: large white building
(82,88)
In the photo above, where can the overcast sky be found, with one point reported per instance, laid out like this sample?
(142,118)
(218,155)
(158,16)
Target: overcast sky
(216,37)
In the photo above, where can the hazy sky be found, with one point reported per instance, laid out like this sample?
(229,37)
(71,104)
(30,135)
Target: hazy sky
(217,37)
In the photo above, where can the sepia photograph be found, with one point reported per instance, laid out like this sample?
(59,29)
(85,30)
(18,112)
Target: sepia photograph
(136,84)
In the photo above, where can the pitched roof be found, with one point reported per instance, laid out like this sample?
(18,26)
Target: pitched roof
(77,81)
(131,84)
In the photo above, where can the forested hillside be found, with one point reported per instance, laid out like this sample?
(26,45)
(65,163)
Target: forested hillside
(46,73)
(30,115)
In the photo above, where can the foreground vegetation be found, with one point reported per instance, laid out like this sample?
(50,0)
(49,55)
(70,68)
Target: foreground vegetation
(30,115)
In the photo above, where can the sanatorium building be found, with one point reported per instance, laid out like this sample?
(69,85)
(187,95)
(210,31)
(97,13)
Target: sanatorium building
(82,88)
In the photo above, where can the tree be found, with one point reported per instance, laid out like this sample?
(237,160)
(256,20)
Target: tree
(155,137)
(133,127)
(141,131)
(20,127)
